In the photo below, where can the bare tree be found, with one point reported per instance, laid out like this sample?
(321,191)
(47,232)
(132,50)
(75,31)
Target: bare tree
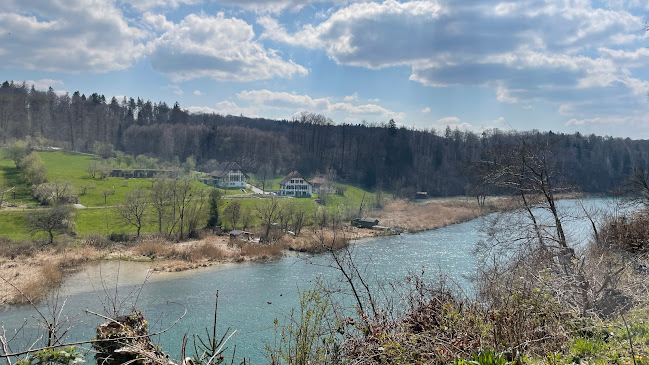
(93,168)
(233,213)
(161,198)
(133,210)
(534,244)
(299,219)
(637,187)
(58,219)
(268,210)
(106,193)
(183,194)
(194,211)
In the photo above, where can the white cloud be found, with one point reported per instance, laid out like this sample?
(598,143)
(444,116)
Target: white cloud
(352,97)
(201,110)
(276,6)
(73,36)
(504,96)
(448,120)
(216,47)
(143,5)
(175,89)
(527,51)
(426,110)
(197,93)
(43,84)
(296,103)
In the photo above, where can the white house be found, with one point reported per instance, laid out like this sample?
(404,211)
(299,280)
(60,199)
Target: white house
(229,175)
(295,185)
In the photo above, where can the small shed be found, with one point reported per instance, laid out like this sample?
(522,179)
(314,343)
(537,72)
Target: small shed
(421,195)
(365,222)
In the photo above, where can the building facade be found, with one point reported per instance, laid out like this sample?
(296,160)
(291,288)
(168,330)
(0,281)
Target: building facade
(228,175)
(295,185)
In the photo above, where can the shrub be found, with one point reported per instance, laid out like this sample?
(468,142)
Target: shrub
(97,241)
(203,251)
(260,251)
(154,248)
(119,237)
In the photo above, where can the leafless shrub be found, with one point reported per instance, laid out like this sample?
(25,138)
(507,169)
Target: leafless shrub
(49,277)
(627,233)
(204,251)
(97,241)
(154,248)
(260,251)
(11,249)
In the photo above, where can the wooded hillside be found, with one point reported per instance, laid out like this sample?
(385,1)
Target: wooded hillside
(372,154)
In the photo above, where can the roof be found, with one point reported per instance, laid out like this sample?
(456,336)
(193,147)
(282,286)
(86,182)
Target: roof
(292,175)
(224,168)
(238,232)
(319,180)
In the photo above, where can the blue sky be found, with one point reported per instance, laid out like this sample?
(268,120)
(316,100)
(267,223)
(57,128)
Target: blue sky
(561,65)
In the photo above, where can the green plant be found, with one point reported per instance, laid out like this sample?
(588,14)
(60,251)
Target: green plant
(584,347)
(308,337)
(488,358)
(65,356)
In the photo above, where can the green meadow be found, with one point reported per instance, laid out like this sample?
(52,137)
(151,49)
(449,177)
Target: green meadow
(100,196)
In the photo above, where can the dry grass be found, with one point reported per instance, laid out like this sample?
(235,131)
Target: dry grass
(427,215)
(36,274)
(154,248)
(182,256)
(255,251)
(321,240)
(203,251)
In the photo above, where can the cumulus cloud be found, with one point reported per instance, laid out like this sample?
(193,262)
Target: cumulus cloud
(448,120)
(216,47)
(43,84)
(426,110)
(352,97)
(201,110)
(295,102)
(275,6)
(526,51)
(72,36)
(197,93)
(144,5)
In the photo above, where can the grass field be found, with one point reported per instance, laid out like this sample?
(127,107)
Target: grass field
(102,218)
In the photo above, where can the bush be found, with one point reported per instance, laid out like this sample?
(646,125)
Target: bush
(205,250)
(12,249)
(119,237)
(97,241)
(627,233)
(154,248)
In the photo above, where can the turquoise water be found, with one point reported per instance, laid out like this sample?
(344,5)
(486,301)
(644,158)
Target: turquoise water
(252,295)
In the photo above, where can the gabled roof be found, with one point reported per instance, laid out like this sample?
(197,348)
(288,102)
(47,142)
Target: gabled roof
(224,168)
(292,175)
(319,180)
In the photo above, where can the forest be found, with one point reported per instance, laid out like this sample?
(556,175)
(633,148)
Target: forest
(374,155)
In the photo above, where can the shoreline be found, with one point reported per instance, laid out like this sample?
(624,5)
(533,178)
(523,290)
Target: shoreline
(44,270)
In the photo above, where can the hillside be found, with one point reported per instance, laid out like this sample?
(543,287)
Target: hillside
(372,155)
(99,197)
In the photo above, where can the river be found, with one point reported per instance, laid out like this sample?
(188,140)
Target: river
(252,295)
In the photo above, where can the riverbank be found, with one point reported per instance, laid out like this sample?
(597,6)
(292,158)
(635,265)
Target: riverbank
(35,271)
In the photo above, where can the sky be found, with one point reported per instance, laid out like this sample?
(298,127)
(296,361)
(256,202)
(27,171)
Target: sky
(560,65)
